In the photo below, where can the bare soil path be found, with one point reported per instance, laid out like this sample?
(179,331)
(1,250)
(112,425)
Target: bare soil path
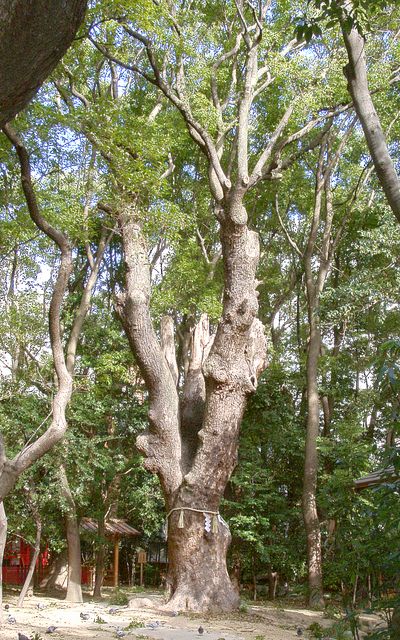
(144,619)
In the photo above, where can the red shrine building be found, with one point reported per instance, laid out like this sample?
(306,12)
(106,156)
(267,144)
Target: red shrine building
(17,558)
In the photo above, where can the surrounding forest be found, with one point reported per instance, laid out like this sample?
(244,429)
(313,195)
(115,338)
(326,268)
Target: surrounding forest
(200,285)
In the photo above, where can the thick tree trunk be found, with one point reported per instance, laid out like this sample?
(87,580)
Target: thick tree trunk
(58,574)
(357,78)
(34,35)
(198,579)
(192,442)
(74,589)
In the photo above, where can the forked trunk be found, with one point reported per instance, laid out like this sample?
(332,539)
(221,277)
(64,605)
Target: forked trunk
(193,435)
(198,579)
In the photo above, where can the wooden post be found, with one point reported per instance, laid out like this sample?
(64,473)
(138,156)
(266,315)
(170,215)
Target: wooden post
(141,557)
(116,560)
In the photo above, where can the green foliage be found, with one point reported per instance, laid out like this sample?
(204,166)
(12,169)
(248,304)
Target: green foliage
(134,624)
(356,14)
(99,620)
(90,146)
(119,597)
(316,630)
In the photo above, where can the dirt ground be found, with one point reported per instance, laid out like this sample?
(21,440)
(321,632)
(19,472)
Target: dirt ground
(145,619)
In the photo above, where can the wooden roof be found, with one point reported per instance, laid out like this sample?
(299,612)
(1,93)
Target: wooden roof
(377,477)
(114,526)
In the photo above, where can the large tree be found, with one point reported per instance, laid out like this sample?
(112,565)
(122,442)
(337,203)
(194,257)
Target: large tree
(193,429)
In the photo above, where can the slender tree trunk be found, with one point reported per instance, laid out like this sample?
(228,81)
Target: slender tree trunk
(273,578)
(310,514)
(100,558)
(29,490)
(357,78)
(3,540)
(314,285)
(29,576)
(74,589)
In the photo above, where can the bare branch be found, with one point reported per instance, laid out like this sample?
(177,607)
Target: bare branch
(202,245)
(170,170)
(257,173)
(197,132)
(83,308)
(289,238)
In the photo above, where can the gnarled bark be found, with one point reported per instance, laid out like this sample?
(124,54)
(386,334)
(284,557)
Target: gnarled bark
(193,439)
(133,308)
(34,35)
(198,579)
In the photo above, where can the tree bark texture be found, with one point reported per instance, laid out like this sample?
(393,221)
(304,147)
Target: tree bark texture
(315,278)
(198,579)
(74,589)
(310,513)
(357,79)
(58,574)
(34,35)
(193,434)
(29,491)
(100,558)
(318,257)
(192,440)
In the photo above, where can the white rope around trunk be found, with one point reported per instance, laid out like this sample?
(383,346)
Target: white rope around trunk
(211,524)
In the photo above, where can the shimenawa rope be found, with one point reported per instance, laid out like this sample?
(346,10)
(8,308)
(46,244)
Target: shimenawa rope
(216,518)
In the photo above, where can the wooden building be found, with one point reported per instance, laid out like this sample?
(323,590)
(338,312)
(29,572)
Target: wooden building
(115,529)
(377,477)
